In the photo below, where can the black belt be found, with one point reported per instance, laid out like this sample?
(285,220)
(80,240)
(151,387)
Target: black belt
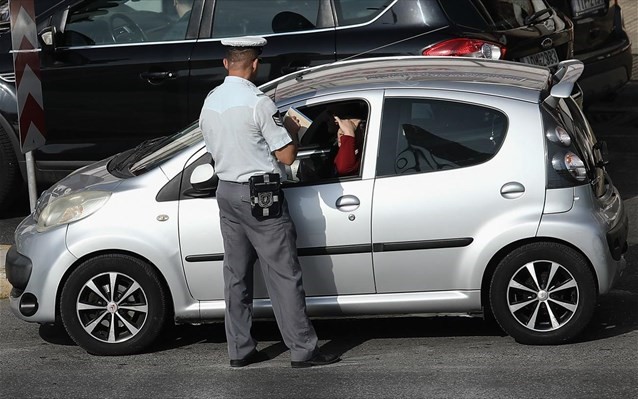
(243,183)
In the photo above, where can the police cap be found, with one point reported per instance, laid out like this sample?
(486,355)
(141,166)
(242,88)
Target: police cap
(244,41)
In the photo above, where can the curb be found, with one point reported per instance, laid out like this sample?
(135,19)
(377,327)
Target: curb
(5,287)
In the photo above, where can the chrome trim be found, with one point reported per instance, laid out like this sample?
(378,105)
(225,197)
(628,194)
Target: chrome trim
(9,77)
(434,302)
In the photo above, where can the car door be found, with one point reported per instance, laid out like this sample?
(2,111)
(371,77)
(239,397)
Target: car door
(111,79)
(456,182)
(300,34)
(331,214)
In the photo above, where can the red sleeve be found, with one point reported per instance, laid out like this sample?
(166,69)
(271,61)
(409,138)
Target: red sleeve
(346,162)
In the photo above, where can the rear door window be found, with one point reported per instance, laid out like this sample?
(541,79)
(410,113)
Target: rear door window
(422,135)
(259,17)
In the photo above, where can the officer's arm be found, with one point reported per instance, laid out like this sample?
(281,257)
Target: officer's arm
(287,154)
(272,127)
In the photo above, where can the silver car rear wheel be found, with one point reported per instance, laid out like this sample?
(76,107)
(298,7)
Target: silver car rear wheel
(543,293)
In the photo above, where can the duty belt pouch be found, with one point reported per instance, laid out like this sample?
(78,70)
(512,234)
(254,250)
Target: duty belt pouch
(265,196)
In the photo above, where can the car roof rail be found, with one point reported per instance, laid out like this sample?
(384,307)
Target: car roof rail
(564,79)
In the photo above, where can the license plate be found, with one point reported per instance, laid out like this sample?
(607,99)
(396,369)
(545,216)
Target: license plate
(545,58)
(584,7)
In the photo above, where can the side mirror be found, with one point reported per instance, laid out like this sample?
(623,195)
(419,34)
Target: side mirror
(51,36)
(203,178)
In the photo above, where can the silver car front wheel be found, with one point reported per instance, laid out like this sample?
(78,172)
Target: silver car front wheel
(113,305)
(543,293)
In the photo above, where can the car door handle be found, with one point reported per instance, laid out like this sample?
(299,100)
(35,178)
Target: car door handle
(157,77)
(512,190)
(347,203)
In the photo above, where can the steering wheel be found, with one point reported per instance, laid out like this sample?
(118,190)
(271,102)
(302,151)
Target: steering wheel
(126,31)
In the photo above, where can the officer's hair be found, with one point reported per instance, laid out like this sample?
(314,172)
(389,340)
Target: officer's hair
(242,56)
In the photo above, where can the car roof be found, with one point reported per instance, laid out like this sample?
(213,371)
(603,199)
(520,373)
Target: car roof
(498,78)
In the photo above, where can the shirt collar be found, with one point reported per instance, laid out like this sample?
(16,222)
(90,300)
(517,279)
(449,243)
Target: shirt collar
(237,79)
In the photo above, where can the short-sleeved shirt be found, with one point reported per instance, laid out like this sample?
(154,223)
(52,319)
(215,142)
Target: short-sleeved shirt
(242,128)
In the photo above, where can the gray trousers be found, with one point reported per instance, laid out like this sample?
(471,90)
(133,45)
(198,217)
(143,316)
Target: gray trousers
(273,242)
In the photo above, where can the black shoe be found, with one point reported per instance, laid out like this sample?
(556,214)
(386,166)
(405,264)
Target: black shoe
(320,359)
(253,357)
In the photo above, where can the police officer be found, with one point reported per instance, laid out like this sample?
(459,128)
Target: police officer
(245,136)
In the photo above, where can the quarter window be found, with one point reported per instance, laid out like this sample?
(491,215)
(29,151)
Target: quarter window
(352,12)
(259,17)
(420,135)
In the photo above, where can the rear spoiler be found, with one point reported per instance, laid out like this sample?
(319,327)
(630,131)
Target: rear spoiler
(564,80)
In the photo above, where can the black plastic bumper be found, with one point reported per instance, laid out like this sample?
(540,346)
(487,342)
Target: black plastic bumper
(18,268)
(617,237)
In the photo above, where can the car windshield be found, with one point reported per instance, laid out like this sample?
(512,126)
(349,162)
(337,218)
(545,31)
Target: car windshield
(495,14)
(151,153)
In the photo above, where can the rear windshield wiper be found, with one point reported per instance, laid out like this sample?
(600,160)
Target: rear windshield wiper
(536,16)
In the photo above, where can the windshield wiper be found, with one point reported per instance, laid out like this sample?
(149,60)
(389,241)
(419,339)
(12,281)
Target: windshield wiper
(129,157)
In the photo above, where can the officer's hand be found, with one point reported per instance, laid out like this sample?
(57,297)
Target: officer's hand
(292,125)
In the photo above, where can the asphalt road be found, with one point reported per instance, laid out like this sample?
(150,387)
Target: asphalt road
(441,357)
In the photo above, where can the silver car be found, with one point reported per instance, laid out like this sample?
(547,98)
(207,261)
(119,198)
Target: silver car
(481,189)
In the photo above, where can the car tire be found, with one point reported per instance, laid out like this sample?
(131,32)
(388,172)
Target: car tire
(9,170)
(122,323)
(543,293)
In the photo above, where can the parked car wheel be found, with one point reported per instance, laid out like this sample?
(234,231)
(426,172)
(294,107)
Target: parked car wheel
(543,293)
(9,170)
(113,305)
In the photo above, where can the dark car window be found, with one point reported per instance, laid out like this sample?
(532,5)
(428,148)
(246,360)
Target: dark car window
(259,17)
(351,12)
(492,14)
(420,135)
(127,21)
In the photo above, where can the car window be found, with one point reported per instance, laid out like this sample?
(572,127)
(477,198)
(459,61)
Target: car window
(323,155)
(351,12)
(422,135)
(492,14)
(258,17)
(126,21)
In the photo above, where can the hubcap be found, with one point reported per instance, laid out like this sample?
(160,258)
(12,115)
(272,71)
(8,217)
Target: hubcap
(112,307)
(542,296)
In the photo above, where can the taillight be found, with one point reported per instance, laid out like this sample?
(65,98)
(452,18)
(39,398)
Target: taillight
(565,167)
(570,163)
(467,48)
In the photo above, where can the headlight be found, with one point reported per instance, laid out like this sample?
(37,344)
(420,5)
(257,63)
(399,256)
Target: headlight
(71,208)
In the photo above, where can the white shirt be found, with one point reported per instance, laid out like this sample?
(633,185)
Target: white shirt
(242,128)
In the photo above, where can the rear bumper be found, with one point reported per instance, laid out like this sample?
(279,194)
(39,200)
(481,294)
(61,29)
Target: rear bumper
(606,70)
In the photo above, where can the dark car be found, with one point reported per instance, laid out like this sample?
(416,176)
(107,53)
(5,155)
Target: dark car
(601,43)
(118,72)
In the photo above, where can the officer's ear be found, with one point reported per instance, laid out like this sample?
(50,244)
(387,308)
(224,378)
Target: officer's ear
(226,63)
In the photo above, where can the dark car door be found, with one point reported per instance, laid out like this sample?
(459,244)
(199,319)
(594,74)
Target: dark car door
(113,77)
(300,34)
